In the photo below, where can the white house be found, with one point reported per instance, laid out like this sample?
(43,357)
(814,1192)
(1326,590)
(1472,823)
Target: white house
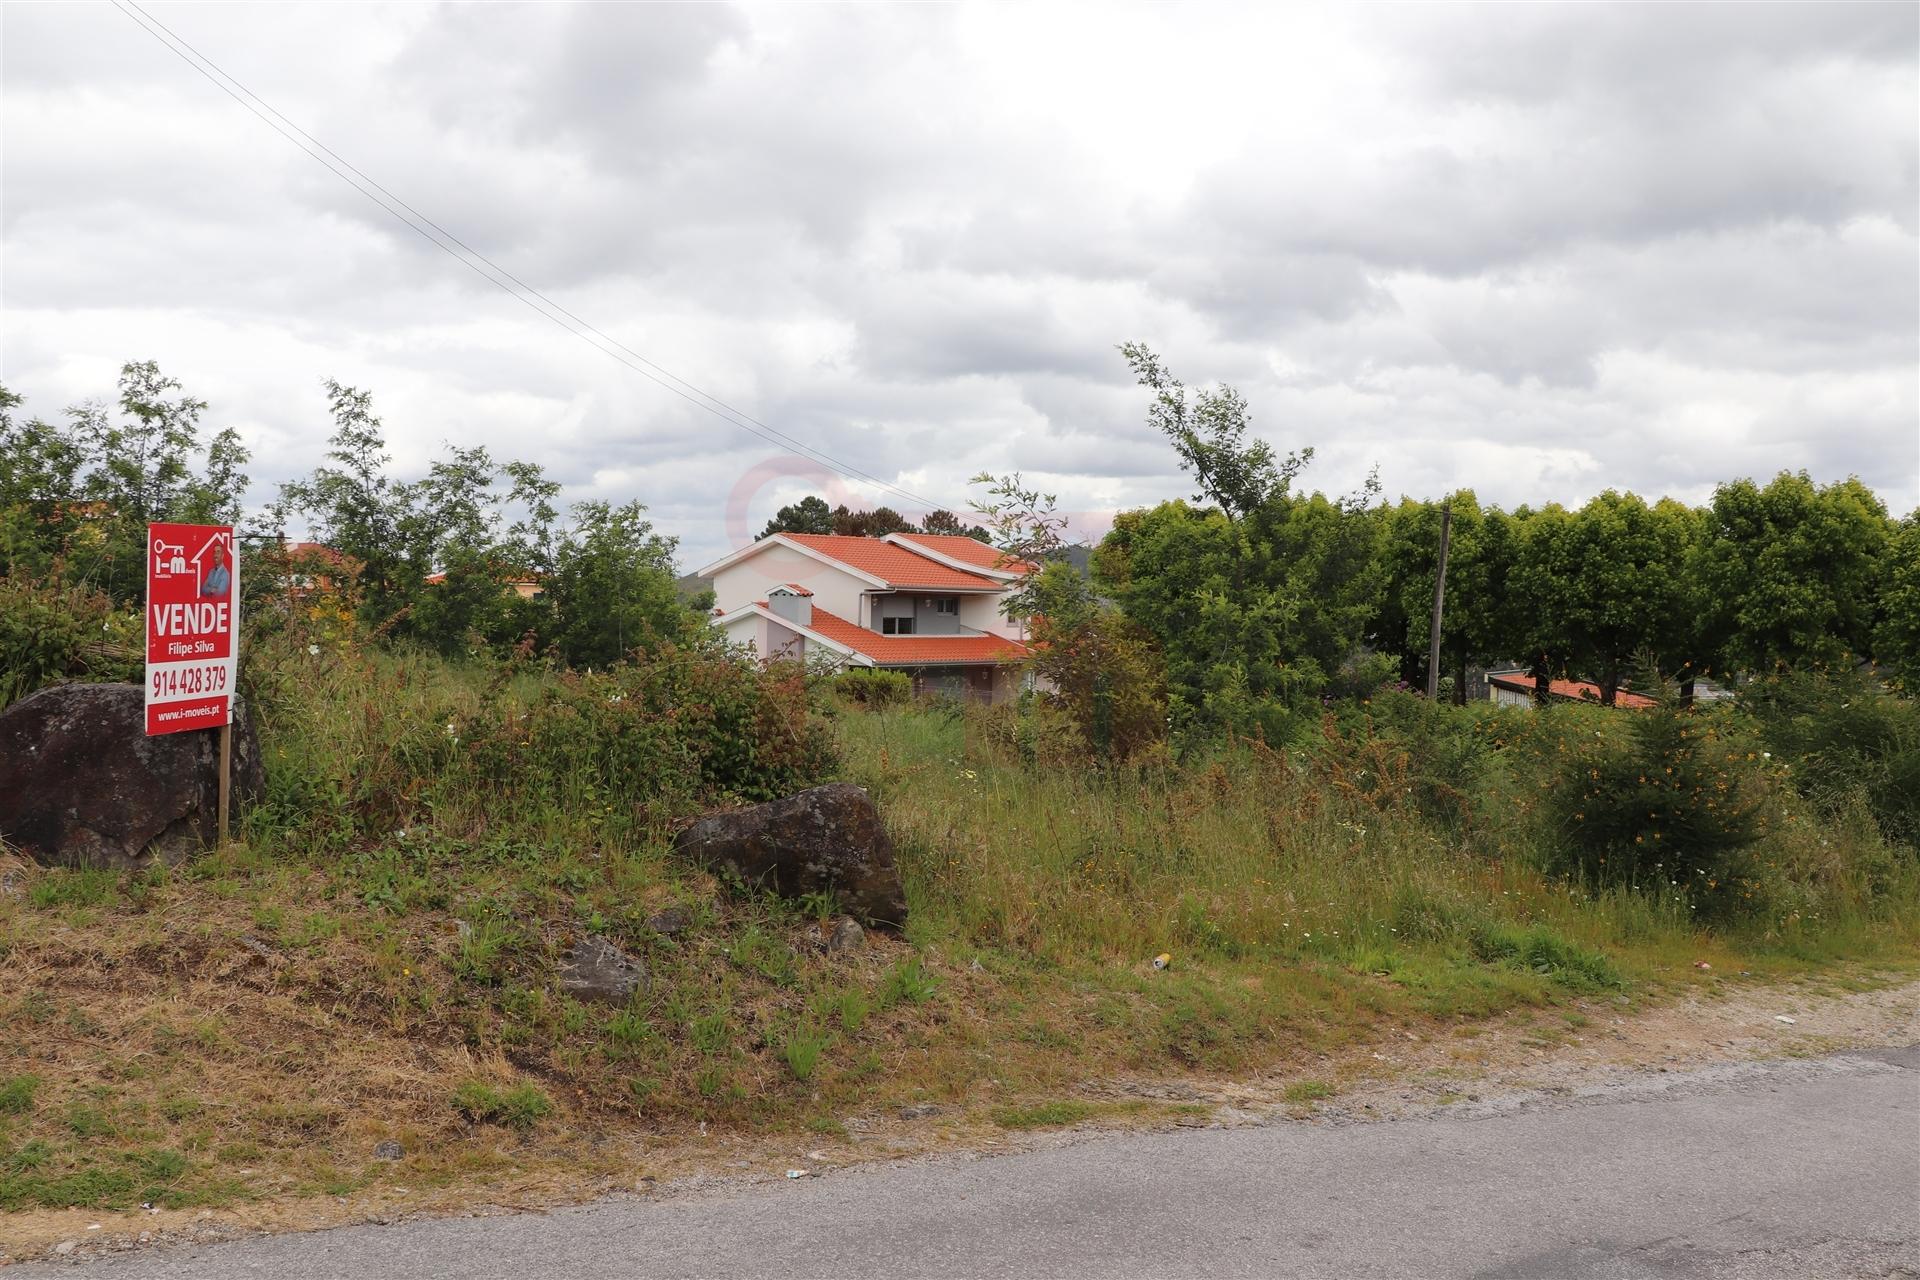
(925,604)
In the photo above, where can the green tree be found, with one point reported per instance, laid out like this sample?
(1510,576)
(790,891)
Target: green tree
(1208,430)
(82,493)
(613,588)
(809,515)
(1792,570)
(1625,564)
(1897,639)
(869,524)
(1541,594)
(945,522)
(1478,562)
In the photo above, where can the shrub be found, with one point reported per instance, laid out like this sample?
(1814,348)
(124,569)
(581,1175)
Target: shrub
(520,1107)
(1843,735)
(875,688)
(1675,798)
(51,632)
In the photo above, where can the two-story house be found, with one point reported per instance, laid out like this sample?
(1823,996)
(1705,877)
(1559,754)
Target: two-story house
(925,604)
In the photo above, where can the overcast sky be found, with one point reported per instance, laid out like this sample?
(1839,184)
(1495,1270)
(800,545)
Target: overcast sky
(1539,251)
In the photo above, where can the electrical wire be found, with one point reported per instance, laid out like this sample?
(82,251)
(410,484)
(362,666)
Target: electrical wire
(485,267)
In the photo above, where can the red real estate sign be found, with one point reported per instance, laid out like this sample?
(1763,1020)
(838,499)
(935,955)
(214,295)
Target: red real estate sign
(193,617)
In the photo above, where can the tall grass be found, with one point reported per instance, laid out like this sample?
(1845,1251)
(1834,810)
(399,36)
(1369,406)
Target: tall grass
(1323,852)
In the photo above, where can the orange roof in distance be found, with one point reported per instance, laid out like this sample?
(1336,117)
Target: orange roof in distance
(917,650)
(892,564)
(972,550)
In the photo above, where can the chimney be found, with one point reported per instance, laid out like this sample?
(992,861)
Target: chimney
(792,603)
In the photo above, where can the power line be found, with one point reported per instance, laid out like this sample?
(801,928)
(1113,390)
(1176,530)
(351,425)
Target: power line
(484,267)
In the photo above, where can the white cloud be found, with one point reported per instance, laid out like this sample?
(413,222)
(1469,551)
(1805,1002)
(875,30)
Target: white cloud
(1540,251)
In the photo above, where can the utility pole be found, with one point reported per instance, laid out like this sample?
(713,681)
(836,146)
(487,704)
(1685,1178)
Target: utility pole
(1439,601)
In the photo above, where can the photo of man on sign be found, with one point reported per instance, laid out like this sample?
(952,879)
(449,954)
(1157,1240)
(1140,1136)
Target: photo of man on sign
(218,580)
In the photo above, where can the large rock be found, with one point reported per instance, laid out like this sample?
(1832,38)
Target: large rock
(826,838)
(82,785)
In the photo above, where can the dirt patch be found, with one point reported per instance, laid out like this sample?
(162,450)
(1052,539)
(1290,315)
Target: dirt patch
(1558,1051)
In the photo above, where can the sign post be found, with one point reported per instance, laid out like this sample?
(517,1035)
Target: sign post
(193,624)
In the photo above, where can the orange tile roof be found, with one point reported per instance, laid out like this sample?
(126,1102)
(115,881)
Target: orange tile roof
(894,565)
(914,651)
(972,550)
(1572,690)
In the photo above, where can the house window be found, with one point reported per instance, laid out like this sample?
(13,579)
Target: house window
(896,626)
(947,604)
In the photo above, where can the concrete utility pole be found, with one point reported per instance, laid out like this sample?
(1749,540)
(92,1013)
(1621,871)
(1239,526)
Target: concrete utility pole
(1439,600)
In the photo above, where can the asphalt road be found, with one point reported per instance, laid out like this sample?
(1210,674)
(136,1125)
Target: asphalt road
(1804,1168)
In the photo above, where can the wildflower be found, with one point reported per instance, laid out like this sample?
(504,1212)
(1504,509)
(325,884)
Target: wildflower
(313,650)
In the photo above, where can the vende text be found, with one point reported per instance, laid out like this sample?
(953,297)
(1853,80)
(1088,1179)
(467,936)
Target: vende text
(189,619)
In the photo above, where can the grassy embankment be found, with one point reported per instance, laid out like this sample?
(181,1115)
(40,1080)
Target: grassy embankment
(375,959)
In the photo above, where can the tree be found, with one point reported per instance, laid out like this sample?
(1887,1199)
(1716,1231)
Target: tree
(1541,593)
(869,524)
(1897,639)
(1624,563)
(358,511)
(809,515)
(84,492)
(613,588)
(947,523)
(1100,666)
(1478,558)
(1791,571)
(438,555)
(1209,434)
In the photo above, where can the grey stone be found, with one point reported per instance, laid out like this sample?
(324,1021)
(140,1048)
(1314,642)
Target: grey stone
(389,1150)
(82,785)
(847,935)
(595,969)
(671,922)
(823,840)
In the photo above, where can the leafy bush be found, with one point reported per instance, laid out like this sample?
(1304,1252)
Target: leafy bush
(361,744)
(1432,752)
(1671,798)
(51,633)
(874,688)
(1843,735)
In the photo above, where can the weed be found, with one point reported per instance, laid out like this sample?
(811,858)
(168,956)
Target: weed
(1301,1091)
(849,1007)
(520,1107)
(486,951)
(1044,1115)
(758,952)
(1540,950)
(907,981)
(83,887)
(16,1094)
(802,1051)
(711,1033)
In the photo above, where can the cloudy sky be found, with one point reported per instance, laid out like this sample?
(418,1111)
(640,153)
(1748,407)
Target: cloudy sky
(1537,250)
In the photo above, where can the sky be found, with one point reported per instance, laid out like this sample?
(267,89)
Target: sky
(1534,250)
